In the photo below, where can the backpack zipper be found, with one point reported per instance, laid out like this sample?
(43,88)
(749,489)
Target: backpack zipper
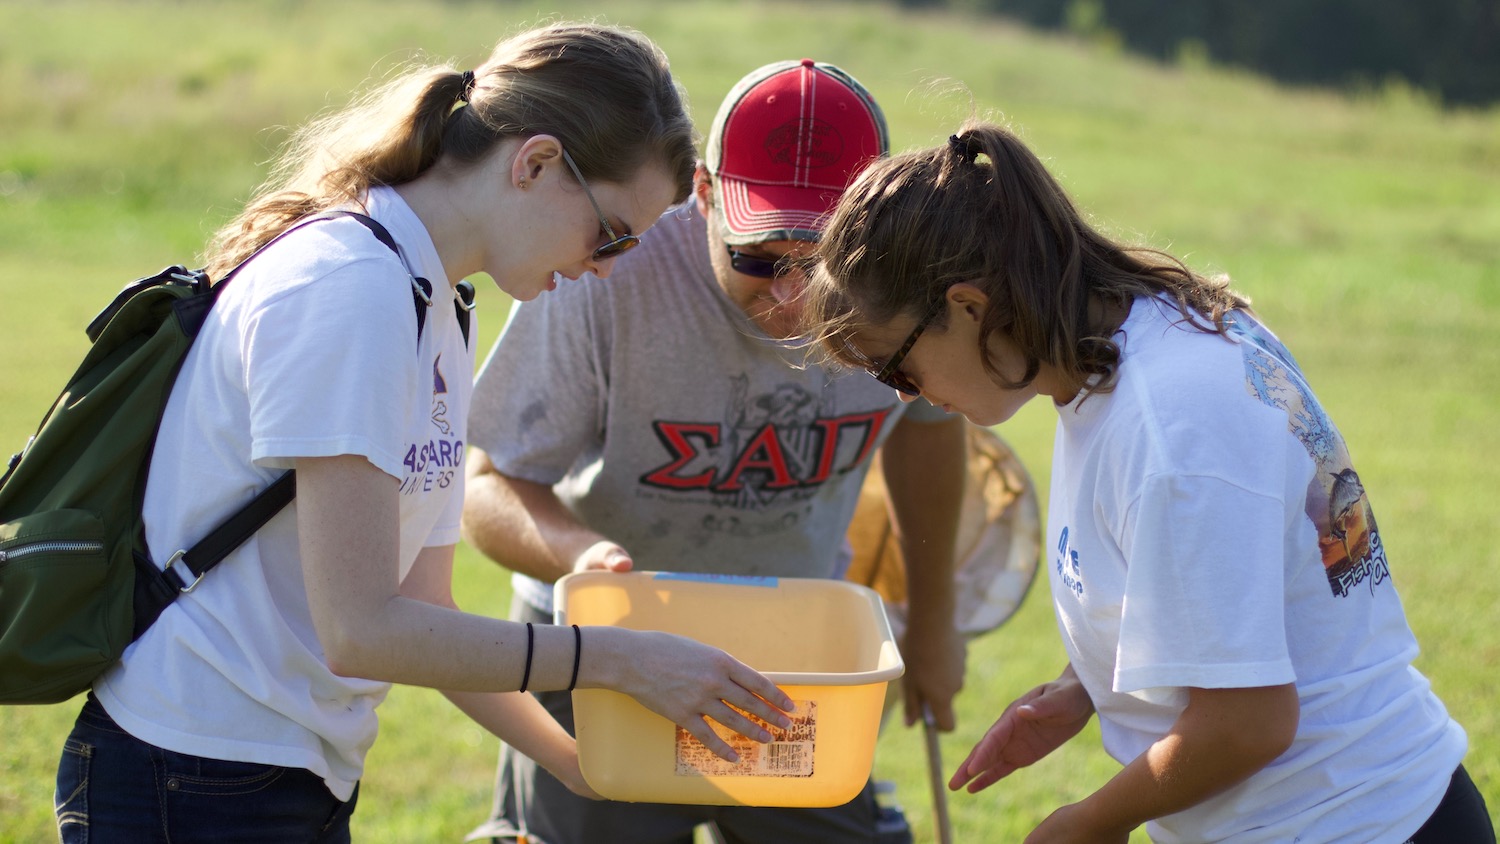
(54,547)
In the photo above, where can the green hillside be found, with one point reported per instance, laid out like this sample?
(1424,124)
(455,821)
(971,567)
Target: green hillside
(1366,230)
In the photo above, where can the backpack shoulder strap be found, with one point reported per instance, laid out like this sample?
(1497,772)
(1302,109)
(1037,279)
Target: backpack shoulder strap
(219,543)
(463,303)
(421,288)
(231,534)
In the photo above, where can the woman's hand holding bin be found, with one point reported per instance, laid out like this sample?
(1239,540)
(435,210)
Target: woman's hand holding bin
(684,681)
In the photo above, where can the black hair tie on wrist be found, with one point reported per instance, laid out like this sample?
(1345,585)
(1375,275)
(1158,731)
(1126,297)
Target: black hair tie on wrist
(577,652)
(526,675)
(963,148)
(468,86)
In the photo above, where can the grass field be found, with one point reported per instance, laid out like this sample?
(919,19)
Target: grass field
(1367,229)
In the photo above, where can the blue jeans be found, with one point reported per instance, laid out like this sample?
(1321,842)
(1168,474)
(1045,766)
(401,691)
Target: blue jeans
(114,787)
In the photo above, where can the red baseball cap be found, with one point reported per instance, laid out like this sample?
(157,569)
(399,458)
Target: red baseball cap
(787,141)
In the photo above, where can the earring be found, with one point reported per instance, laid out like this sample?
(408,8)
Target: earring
(521,184)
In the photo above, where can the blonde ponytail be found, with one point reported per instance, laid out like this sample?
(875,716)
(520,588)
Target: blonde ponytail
(606,92)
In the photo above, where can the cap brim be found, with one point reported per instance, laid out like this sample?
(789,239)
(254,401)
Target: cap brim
(755,213)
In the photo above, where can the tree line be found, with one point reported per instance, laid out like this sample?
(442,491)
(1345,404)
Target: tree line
(1449,49)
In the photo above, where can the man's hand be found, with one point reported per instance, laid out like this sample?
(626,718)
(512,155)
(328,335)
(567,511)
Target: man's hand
(934,673)
(604,556)
(525,527)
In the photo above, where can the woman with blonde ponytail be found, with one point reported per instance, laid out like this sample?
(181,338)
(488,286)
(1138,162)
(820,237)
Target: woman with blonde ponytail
(245,712)
(1222,590)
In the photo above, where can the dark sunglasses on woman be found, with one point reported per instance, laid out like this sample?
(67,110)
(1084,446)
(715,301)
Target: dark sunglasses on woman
(616,243)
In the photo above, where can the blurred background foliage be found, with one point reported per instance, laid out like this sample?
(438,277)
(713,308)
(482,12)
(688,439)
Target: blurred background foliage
(1364,219)
(1447,49)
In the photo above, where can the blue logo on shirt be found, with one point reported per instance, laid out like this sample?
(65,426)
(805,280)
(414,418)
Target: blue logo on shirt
(1065,563)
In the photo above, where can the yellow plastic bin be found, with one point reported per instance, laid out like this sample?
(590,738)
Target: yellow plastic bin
(826,643)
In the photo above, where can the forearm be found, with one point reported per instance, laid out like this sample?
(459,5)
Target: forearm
(924,476)
(1223,738)
(924,466)
(377,625)
(413,642)
(680,679)
(521,722)
(521,525)
(416,643)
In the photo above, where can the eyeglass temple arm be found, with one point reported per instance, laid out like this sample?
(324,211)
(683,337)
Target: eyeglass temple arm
(609,230)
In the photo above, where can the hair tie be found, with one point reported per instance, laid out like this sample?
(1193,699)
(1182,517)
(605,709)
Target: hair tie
(468,77)
(963,148)
(530,640)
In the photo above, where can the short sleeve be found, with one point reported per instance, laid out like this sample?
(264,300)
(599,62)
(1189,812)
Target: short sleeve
(540,397)
(1204,588)
(330,368)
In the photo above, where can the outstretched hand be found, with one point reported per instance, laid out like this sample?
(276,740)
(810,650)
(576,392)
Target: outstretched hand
(686,681)
(1033,726)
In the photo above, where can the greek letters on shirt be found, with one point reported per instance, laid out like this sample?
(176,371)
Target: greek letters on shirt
(777,446)
(437,463)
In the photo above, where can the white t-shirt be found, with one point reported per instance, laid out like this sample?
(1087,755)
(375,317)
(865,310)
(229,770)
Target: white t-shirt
(671,424)
(310,351)
(1207,529)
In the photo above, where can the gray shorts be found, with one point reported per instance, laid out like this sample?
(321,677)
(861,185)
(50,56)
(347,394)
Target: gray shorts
(532,802)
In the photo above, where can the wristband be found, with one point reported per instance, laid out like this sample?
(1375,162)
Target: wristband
(526,675)
(577,652)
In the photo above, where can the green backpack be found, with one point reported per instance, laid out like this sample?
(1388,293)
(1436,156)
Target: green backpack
(77,582)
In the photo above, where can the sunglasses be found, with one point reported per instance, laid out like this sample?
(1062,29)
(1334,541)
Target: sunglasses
(617,243)
(760,267)
(890,373)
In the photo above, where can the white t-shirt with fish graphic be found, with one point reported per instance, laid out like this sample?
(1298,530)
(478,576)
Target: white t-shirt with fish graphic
(1207,529)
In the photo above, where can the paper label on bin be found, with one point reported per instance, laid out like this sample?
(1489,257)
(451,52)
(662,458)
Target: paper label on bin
(788,754)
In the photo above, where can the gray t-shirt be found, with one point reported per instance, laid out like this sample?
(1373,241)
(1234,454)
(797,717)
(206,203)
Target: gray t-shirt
(669,423)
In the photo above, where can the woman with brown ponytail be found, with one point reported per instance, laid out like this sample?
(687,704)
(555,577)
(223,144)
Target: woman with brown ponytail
(245,712)
(1221,588)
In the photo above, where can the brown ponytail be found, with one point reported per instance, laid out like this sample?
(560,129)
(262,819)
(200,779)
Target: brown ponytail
(982,209)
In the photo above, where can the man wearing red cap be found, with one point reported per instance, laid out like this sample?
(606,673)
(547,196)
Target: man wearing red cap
(659,420)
